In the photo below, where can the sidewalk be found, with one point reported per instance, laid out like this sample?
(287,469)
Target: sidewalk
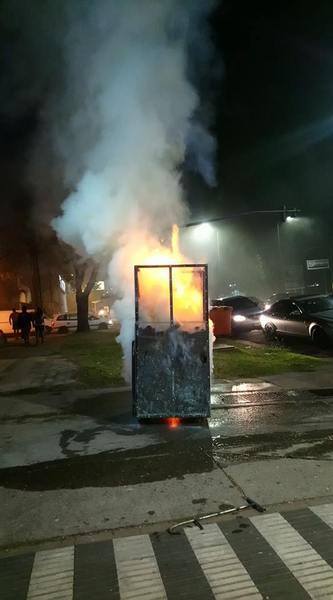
(272,556)
(35,373)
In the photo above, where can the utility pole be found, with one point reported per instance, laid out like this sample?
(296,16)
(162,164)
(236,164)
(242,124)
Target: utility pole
(278,232)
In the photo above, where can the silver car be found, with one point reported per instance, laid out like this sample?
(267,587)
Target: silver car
(301,316)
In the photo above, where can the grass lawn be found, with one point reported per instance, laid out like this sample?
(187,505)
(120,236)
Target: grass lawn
(99,358)
(248,361)
(97,355)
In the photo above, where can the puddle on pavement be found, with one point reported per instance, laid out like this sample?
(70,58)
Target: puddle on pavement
(252,386)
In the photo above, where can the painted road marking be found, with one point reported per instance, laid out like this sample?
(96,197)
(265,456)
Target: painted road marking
(225,573)
(209,563)
(325,512)
(312,571)
(52,575)
(138,572)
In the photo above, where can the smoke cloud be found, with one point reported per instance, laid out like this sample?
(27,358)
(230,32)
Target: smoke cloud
(129,116)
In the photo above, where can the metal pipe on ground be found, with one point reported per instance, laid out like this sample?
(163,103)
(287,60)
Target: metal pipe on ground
(196,520)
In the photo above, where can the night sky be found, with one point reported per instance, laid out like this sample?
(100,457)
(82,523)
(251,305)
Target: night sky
(273,104)
(275,114)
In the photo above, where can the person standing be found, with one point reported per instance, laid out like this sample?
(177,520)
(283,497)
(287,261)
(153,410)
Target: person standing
(25,325)
(39,324)
(14,322)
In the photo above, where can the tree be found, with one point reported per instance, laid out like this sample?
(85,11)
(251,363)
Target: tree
(85,278)
(80,273)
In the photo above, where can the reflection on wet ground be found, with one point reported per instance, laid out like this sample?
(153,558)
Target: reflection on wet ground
(257,386)
(286,444)
(254,426)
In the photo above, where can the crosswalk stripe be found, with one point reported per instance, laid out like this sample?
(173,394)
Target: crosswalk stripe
(325,512)
(137,569)
(214,561)
(297,555)
(52,575)
(225,573)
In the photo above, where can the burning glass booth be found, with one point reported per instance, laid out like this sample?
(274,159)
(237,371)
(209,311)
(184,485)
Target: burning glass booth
(171,358)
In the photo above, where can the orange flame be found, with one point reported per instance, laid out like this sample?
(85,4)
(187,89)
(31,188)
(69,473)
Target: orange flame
(187,286)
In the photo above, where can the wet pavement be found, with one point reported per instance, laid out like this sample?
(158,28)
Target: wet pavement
(294,424)
(97,442)
(71,464)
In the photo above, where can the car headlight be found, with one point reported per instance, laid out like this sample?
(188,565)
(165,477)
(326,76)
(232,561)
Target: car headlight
(239,318)
(264,319)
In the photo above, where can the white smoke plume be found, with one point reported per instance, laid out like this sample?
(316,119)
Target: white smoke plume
(128,114)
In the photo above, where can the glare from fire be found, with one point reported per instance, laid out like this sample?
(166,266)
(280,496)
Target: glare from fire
(187,288)
(173,422)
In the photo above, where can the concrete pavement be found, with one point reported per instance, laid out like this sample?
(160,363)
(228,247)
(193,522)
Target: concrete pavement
(88,466)
(75,466)
(35,373)
(76,463)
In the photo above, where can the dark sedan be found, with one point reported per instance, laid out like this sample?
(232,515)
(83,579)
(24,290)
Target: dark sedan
(301,316)
(245,314)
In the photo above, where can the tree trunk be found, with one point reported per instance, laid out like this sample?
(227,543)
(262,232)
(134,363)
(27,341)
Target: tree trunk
(82,293)
(82,311)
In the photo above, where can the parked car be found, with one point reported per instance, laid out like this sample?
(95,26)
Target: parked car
(68,322)
(246,311)
(284,296)
(301,316)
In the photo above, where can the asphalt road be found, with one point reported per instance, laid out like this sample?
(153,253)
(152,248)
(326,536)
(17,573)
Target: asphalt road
(300,345)
(268,556)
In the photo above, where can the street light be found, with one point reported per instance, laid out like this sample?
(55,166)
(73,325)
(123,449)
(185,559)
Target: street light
(203,232)
(286,218)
